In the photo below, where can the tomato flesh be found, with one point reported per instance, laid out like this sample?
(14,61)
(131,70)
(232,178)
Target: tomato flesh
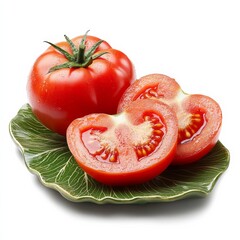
(129,148)
(199,117)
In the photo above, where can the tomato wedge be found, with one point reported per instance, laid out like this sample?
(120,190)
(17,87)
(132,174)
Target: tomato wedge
(128,148)
(199,117)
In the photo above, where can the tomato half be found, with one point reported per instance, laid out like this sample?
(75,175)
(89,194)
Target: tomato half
(199,116)
(128,148)
(77,77)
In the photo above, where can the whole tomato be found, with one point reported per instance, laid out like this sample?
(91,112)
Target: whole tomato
(77,77)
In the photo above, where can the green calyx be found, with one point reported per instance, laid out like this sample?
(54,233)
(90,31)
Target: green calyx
(80,58)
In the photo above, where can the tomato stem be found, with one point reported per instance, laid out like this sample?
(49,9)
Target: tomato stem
(81,51)
(79,57)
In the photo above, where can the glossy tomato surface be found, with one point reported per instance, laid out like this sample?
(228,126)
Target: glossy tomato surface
(59,96)
(199,116)
(128,148)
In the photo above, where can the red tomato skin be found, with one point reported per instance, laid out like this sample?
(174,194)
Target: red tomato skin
(168,90)
(59,97)
(129,171)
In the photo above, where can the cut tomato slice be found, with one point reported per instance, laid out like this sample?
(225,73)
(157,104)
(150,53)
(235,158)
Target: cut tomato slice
(199,117)
(128,148)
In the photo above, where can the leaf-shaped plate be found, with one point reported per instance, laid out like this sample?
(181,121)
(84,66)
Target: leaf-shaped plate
(47,155)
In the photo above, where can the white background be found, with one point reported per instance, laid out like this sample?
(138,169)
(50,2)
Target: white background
(195,42)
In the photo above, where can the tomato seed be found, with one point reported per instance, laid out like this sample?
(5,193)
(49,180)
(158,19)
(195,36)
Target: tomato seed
(144,152)
(148,148)
(139,153)
(112,158)
(187,134)
(147,118)
(157,126)
(154,120)
(158,132)
(104,156)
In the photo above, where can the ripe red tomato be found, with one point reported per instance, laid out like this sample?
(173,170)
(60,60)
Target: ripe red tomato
(77,77)
(129,148)
(199,116)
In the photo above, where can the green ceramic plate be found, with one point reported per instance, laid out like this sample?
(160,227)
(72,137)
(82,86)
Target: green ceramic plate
(47,155)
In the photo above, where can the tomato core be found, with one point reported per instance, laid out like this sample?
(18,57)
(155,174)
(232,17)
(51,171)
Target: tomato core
(148,137)
(153,142)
